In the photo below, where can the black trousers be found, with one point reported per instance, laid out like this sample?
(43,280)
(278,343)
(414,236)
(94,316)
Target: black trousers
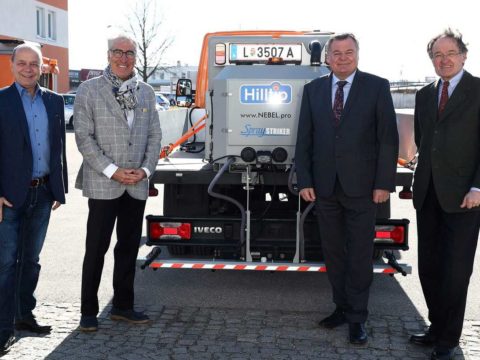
(446,252)
(128,213)
(347,226)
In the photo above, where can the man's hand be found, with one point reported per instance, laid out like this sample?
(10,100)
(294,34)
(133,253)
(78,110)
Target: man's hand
(308,194)
(3,202)
(129,176)
(380,196)
(139,174)
(125,176)
(471,200)
(55,205)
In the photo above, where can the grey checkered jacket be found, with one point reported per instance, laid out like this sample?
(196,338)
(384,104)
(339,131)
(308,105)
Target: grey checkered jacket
(103,138)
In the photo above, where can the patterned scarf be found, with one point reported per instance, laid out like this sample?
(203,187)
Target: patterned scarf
(124,91)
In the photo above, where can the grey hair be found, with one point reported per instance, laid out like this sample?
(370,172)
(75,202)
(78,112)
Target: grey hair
(343,36)
(448,33)
(31,47)
(118,37)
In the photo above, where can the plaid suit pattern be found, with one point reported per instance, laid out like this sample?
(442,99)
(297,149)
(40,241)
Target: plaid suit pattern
(103,137)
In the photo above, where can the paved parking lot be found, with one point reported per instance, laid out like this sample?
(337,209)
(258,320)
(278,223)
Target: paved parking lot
(219,333)
(223,314)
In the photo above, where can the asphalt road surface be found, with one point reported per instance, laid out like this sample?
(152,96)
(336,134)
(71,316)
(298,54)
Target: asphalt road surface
(63,254)
(235,293)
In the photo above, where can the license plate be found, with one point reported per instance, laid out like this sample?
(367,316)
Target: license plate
(263,52)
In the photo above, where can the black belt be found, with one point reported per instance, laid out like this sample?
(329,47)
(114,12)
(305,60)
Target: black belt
(39,181)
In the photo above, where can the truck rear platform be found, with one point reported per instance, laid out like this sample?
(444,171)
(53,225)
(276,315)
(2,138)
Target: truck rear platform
(230,199)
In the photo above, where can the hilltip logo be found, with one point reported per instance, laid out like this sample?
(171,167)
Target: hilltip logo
(274,93)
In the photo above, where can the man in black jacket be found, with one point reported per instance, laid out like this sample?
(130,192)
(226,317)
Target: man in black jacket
(446,190)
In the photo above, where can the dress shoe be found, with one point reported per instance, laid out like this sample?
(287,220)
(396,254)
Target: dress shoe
(357,333)
(443,353)
(30,324)
(131,316)
(88,323)
(6,341)
(427,338)
(337,318)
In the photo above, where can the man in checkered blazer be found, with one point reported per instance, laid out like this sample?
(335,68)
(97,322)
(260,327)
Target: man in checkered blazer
(117,131)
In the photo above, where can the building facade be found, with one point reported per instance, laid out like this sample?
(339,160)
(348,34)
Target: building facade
(166,77)
(40,21)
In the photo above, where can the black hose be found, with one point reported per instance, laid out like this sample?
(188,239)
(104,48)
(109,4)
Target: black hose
(304,213)
(195,151)
(191,124)
(290,180)
(210,130)
(210,191)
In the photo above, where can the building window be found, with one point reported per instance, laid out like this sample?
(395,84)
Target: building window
(40,22)
(51,25)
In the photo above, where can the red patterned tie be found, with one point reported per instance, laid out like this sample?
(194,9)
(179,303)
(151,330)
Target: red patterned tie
(338,102)
(443,97)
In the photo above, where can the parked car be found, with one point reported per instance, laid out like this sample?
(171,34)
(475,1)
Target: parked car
(170,97)
(68,100)
(162,101)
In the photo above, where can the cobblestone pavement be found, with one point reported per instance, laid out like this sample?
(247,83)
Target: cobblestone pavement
(212,333)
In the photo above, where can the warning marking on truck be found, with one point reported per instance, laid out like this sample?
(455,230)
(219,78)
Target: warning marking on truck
(381,269)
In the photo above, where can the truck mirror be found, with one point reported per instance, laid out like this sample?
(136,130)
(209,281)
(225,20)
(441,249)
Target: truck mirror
(315,52)
(184,92)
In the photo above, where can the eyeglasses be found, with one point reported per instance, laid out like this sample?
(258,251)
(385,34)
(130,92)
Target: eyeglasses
(117,53)
(449,56)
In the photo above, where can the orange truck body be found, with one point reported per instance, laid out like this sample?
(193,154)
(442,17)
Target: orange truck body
(202,76)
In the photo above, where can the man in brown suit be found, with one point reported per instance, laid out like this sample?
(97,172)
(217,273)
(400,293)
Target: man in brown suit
(446,190)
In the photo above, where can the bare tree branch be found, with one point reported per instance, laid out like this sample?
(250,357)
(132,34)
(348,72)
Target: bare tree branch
(145,26)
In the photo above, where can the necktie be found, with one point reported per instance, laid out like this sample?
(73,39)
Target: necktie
(443,97)
(338,102)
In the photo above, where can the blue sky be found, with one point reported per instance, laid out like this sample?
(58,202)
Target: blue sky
(393,34)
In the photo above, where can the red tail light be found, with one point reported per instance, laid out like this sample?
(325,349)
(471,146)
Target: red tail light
(152,191)
(170,231)
(405,193)
(389,234)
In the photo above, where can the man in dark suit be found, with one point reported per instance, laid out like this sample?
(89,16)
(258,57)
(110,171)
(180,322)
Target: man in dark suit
(446,190)
(346,154)
(33,180)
